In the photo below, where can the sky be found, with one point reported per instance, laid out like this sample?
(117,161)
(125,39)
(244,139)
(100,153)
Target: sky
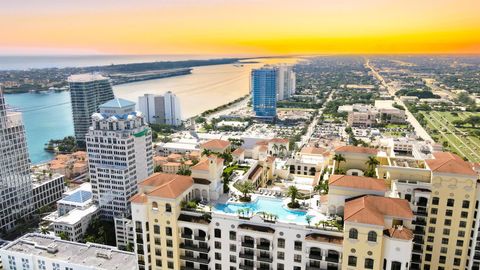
(233,27)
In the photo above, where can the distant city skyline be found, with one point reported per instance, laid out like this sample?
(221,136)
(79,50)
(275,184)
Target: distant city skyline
(240,27)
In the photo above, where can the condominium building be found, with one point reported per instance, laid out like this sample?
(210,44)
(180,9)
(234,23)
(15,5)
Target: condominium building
(120,154)
(161,109)
(264,85)
(87,92)
(401,219)
(286,81)
(16,197)
(44,252)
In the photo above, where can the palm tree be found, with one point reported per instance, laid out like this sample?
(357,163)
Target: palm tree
(283,149)
(338,158)
(275,148)
(245,188)
(206,152)
(293,193)
(372,163)
(44,230)
(308,219)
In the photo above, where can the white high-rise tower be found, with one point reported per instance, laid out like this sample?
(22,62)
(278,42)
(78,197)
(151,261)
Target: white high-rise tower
(161,109)
(15,181)
(120,154)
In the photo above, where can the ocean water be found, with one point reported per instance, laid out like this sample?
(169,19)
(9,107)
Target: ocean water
(45,116)
(49,116)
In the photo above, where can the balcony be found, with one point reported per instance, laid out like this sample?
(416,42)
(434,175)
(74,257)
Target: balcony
(313,267)
(247,255)
(246,267)
(200,238)
(186,236)
(249,244)
(333,258)
(315,256)
(195,259)
(195,248)
(267,259)
(263,246)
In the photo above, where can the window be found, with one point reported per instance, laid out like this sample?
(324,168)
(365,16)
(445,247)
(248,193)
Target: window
(353,234)
(434,211)
(368,263)
(443,250)
(218,245)
(233,235)
(156,229)
(448,212)
(408,197)
(428,257)
(280,255)
(445,241)
(168,231)
(458,252)
(233,259)
(461,233)
(456,261)
(280,266)
(396,265)
(218,233)
(168,208)
(446,231)
(465,204)
(459,243)
(297,258)
(298,245)
(154,206)
(218,256)
(431,229)
(464,214)
(462,224)
(442,259)
(352,261)
(372,236)
(447,222)
(233,247)
(281,243)
(435,200)
(450,202)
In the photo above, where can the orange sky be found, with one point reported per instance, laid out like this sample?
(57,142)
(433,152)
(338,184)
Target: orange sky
(239,27)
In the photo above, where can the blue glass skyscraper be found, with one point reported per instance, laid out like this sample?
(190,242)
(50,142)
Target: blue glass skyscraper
(264,92)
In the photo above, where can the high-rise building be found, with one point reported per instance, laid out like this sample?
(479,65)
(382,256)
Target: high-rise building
(120,154)
(16,197)
(264,84)
(87,92)
(286,82)
(161,109)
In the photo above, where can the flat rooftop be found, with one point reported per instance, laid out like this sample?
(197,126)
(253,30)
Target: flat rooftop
(93,255)
(76,215)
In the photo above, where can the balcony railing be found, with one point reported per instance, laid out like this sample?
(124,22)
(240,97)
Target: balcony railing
(315,256)
(247,256)
(248,244)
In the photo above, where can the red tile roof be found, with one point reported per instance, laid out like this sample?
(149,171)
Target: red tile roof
(216,144)
(446,162)
(279,140)
(358,182)
(399,233)
(357,149)
(238,151)
(313,150)
(166,185)
(372,210)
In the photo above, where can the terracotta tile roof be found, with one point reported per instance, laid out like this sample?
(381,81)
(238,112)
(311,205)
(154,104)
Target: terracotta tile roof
(160,158)
(279,140)
(202,165)
(263,148)
(216,144)
(357,149)
(176,164)
(446,162)
(139,198)
(372,210)
(399,233)
(167,185)
(256,171)
(359,182)
(174,156)
(262,142)
(238,151)
(313,150)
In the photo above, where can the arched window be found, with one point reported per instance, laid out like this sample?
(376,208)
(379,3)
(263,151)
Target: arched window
(154,205)
(353,234)
(372,236)
(168,208)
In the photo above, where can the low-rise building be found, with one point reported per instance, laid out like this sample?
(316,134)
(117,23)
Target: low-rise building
(42,252)
(74,224)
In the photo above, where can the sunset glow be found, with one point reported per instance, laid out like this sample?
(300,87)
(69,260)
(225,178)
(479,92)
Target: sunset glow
(240,27)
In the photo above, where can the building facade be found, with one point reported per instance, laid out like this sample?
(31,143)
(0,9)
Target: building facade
(161,109)
(264,85)
(45,252)
(87,92)
(16,197)
(120,154)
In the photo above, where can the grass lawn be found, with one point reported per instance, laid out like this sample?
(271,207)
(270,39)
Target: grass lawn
(460,140)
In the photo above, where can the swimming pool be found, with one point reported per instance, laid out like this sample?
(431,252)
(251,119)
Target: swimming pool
(262,204)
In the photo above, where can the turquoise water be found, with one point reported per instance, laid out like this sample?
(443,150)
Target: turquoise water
(271,206)
(45,116)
